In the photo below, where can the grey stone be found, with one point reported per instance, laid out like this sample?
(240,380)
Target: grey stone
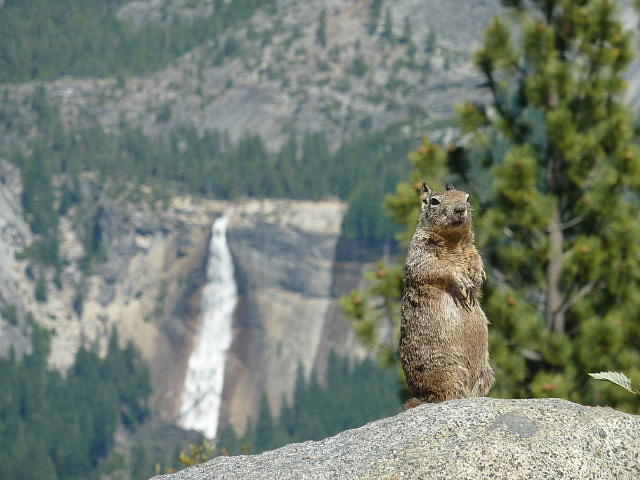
(460,439)
(288,313)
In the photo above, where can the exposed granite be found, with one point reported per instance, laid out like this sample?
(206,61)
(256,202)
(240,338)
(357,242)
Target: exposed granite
(461,439)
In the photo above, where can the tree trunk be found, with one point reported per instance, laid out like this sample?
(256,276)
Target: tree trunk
(554,311)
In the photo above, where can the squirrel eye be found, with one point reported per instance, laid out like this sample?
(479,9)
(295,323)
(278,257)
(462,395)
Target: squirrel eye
(435,201)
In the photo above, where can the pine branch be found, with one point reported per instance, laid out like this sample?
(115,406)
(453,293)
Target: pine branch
(576,297)
(574,221)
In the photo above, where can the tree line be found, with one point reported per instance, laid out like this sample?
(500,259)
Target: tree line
(355,392)
(54,426)
(44,40)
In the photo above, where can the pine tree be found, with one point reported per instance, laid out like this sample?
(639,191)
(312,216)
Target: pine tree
(374,9)
(321,33)
(554,164)
(41,288)
(388,26)
(407,31)
(265,429)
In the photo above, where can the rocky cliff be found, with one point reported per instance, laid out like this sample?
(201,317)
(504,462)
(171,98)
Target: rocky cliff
(14,235)
(287,316)
(462,439)
(146,282)
(279,75)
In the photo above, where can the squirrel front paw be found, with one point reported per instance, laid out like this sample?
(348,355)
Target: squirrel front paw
(465,287)
(477,276)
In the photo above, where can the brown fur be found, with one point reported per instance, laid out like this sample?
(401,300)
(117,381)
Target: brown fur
(443,340)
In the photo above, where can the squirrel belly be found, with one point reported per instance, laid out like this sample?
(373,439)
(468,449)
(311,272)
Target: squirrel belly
(444,337)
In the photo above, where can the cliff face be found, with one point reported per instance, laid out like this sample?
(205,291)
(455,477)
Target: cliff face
(14,235)
(144,279)
(287,315)
(462,439)
(280,75)
(146,282)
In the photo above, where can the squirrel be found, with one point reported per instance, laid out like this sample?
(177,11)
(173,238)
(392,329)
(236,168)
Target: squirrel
(443,335)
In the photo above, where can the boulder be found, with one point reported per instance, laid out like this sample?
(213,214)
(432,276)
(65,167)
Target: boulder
(460,439)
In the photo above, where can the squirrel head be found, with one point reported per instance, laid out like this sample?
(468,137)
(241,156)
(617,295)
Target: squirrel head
(446,213)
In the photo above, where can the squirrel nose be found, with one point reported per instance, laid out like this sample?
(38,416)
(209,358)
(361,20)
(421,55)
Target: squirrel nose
(460,207)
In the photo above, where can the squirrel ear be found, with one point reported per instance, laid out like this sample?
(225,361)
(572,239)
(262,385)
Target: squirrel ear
(450,187)
(425,196)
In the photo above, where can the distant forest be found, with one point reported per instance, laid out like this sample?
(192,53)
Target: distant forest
(356,393)
(62,427)
(55,427)
(44,40)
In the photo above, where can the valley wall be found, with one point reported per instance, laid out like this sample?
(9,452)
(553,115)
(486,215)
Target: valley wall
(288,314)
(146,282)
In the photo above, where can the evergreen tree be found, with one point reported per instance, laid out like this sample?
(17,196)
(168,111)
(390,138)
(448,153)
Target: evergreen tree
(406,31)
(388,25)
(555,166)
(54,427)
(41,288)
(264,437)
(430,42)
(321,33)
(355,393)
(375,8)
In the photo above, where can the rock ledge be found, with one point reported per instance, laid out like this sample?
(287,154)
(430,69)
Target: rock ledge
(462,439)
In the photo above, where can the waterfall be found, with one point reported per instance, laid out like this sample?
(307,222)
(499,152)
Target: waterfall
(202,393)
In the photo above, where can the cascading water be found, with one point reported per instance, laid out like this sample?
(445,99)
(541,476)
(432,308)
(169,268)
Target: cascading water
(202,393)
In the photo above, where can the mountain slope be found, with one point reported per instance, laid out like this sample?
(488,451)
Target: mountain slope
(399,62)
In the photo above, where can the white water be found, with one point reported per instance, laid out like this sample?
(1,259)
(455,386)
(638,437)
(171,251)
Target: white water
(204,380)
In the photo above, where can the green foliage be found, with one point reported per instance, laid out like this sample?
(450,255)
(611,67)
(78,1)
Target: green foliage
(371,318)
(375,9)
(387,30)
(45,40)
(10,314)
(406,31)
(321,32)
(553,170)
(62,427)
(198,453)
(41,288)
(38,204)
(354,395)
(616,378)
(430,42)
(359,66)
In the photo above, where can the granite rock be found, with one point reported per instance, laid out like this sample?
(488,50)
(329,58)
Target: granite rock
(461,439)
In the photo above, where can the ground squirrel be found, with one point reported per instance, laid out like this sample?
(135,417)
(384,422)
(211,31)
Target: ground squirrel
(443,337)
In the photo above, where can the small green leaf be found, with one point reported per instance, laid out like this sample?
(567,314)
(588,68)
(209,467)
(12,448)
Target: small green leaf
(615,377)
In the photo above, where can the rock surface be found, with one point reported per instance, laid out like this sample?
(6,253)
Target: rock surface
(281,76)
(284,255)
(14,235)
(461,439)
(144,281)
